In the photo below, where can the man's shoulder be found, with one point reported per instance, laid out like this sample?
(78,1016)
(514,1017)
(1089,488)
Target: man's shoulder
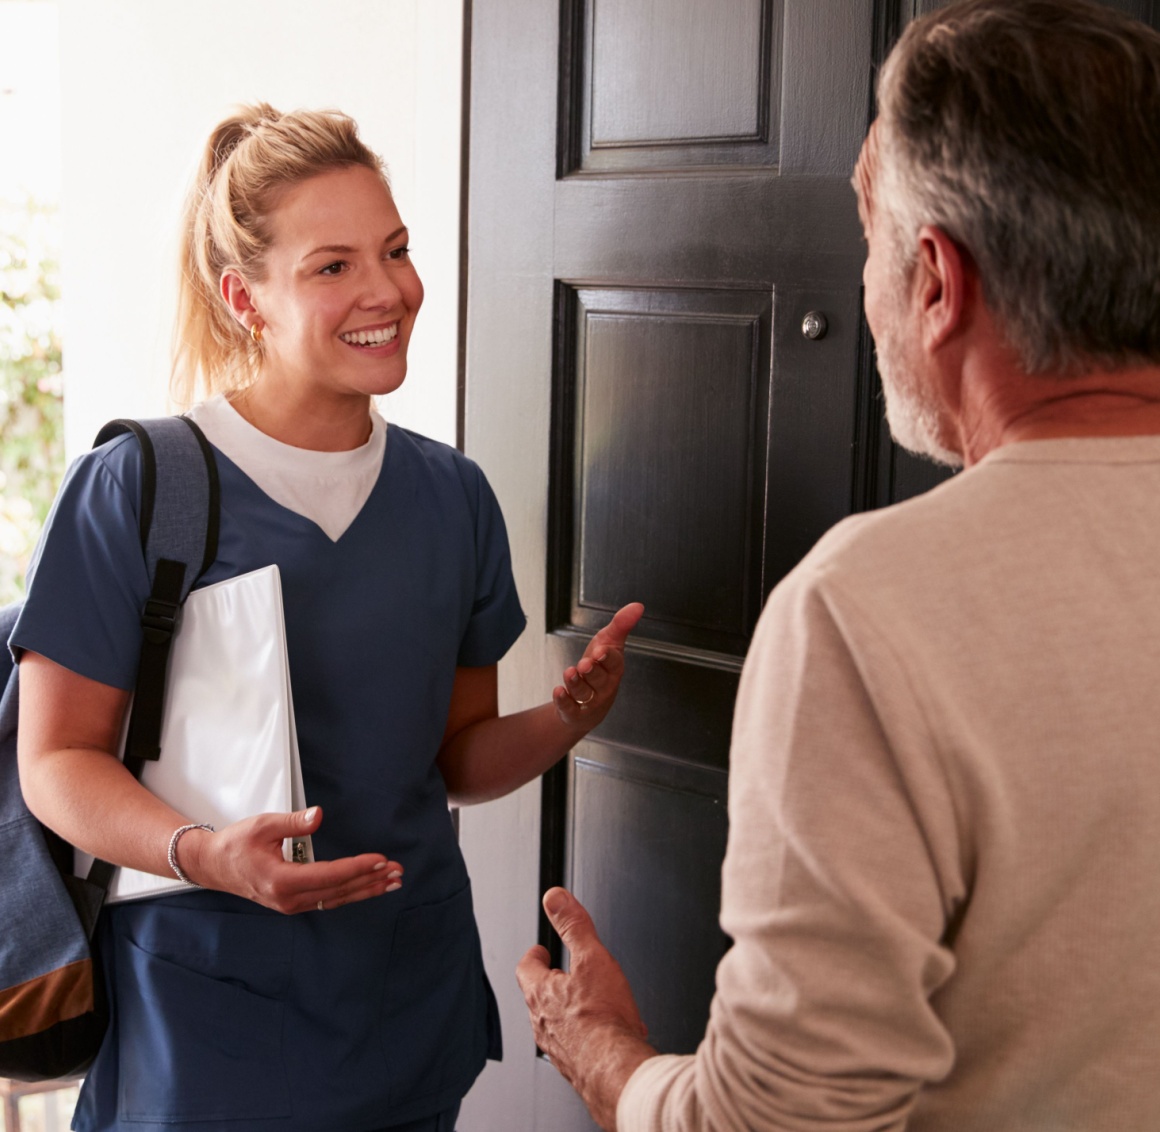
(1029,524)
(898,532)
(1014,494)
(912,563)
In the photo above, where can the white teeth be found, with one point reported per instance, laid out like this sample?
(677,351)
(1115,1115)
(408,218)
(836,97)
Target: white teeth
(371,337)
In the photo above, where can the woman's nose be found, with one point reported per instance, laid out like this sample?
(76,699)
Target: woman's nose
(383,289)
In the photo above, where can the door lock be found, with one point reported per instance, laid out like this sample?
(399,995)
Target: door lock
(814,325)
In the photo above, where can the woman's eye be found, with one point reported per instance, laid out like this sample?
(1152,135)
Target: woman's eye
(335,268)
(399,253)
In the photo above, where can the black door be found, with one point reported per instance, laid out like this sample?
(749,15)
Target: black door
(658,198)
(671,388)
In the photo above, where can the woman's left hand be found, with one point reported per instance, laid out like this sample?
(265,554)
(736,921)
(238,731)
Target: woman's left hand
(590,686)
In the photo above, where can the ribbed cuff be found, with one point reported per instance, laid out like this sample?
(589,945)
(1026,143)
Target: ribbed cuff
(642,1103)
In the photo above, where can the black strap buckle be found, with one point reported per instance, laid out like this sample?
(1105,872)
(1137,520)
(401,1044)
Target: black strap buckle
(159,619)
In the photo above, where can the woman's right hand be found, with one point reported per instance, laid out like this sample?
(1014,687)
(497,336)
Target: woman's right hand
(245,858)
(69,725)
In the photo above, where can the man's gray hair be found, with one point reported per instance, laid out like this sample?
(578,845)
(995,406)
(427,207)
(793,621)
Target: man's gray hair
(1029,131)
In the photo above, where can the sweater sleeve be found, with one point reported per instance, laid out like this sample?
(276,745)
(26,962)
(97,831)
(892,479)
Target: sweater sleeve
(822,1019)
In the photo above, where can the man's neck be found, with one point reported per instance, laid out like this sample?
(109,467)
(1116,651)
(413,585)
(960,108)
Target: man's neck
(1001,404)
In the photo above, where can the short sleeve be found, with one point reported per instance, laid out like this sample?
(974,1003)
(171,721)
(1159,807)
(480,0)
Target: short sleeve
(497,618)
(88,581)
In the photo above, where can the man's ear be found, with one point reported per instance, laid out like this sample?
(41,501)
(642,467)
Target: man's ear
(236,292)
(941,283)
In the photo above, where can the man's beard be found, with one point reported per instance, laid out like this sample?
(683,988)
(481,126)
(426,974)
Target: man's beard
(911,411)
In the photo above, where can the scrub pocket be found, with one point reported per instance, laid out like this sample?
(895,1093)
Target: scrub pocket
(199,1015)
(437,1009)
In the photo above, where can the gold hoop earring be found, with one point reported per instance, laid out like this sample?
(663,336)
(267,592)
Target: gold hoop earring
(256,334)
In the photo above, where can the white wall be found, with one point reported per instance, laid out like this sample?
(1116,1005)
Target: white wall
(144,81)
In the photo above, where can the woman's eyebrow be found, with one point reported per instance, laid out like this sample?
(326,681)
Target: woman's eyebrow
(344,249)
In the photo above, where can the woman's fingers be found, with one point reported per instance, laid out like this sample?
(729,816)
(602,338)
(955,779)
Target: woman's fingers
(330,898)
(370,872)
(615,633)
(580,687)
(566,703)
(246,859)
(603,670)
(577,707)
(602,664)
(592,676)
(303,889)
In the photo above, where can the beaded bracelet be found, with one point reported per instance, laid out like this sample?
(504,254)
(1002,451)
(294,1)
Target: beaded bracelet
(177,836)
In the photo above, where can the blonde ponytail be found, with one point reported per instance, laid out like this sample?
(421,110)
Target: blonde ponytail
(250,158)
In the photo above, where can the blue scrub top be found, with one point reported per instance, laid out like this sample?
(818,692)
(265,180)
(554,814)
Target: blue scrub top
(228,1015)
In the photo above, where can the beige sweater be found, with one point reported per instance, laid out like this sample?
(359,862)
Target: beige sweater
(943,875)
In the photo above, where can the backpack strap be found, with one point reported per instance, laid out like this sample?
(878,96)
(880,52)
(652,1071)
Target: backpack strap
(179,517)
(180,495)
(9,713)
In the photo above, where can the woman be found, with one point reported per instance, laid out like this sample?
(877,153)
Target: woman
(346,994)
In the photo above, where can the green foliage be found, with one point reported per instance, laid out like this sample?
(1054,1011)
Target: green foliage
(31,405)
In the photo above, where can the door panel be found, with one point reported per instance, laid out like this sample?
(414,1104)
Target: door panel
(645,858)
(659,194)
(669,466)
(704,90)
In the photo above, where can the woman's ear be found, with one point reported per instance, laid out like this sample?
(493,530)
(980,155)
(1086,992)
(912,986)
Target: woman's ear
(941,284)
(236,292)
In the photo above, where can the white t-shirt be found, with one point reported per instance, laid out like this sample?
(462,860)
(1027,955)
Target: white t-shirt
(329,488)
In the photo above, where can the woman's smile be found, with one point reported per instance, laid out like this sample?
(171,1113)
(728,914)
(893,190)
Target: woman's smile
(371,338)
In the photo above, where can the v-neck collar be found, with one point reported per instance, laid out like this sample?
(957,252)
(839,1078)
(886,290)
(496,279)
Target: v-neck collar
(326,489)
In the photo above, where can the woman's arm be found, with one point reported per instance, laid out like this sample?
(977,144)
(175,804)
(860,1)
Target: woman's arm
(485,755)
(72,782)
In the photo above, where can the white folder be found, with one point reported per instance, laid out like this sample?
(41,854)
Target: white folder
(229,748)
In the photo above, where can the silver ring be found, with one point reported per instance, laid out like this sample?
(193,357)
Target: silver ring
(584,703)
(320,907)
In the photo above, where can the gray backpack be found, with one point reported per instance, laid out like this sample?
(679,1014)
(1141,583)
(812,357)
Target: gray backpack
(53,1009)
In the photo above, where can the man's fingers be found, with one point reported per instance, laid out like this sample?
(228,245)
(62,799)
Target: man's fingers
(570,919)
(535,964)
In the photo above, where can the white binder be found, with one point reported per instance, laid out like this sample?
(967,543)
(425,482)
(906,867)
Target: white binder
(229,748)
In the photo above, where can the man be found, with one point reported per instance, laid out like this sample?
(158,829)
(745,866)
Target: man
(943,874)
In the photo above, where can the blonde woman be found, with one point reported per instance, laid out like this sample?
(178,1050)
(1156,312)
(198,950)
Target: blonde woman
(350,993)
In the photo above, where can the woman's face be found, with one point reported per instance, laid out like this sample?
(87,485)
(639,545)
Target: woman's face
(340,294)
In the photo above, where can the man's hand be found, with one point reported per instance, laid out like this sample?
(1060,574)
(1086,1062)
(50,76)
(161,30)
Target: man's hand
(585,1020)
